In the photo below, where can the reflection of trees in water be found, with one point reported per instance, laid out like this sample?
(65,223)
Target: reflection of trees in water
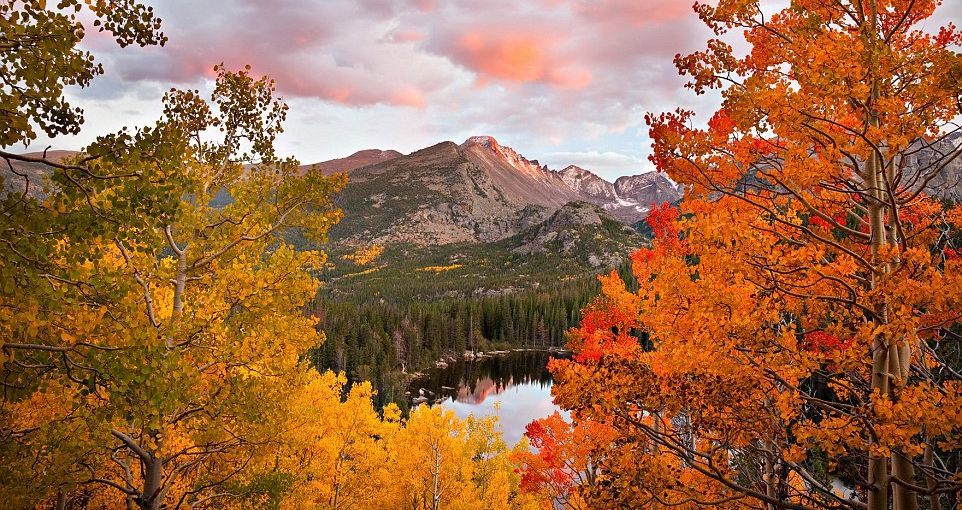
(471,381)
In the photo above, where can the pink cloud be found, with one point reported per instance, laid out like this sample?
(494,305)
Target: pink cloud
(628,13)
(405,36)
(517,57)
(530,71)
(569,63)
(572,78)
(333,51)
(409,97)
(552,4)
(514,58)
(425,5)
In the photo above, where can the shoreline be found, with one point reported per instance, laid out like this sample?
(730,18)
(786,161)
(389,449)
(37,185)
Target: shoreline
(443,362)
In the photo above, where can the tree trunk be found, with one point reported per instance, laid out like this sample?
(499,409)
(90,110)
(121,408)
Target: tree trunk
(153,481)
(902,469)
(877,465)
(436,477)
(878,495)
(934,502)
(180,281)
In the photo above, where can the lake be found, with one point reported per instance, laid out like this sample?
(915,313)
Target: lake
(515,386)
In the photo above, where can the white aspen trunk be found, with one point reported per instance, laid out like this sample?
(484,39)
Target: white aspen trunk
(902,469)
(436,477)
(153,481)
(878,495)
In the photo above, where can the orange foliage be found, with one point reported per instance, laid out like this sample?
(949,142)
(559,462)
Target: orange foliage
(803,307)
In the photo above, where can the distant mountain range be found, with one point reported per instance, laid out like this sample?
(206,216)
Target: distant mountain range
(477,218)
(478,191)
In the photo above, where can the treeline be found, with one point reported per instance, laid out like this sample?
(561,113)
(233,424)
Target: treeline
(406,336)
(381,340)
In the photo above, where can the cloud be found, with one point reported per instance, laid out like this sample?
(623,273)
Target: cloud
(514,55)
(538,75)
(405,36)
(555,79)
(425,5)
(339,52)
(625,13)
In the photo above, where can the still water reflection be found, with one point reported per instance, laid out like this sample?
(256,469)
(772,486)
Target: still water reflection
(519,382)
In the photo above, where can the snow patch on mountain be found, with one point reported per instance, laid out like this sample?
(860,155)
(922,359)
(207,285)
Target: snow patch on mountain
(629,198)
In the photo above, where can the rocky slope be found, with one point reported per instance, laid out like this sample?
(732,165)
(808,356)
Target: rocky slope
(581,230)
(947,183)
(475,192)
(28,177)
(577,240)
(646,190)
(478,191)
(588,184)
(629,198)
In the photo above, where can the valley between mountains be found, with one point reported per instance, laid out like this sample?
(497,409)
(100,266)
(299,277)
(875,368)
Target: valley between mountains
(467,247)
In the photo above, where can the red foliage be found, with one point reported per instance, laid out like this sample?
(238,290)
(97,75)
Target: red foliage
(662,220)
(563,453)
(547,436)
(721,124)
(822,342)
(605,329)
(817,221)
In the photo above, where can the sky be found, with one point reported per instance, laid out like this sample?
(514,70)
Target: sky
(561,81)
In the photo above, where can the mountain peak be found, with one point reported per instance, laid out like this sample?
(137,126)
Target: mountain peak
(587,184)
(508,155)
(485,141)
(375,153)
(575,170)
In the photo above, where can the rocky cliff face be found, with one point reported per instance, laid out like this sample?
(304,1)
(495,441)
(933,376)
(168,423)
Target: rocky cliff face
(482,191)
(934,158)
(440,195)
(588,184)
(647,189)
(629,198)
(581,230)
(519,180)
(478,191)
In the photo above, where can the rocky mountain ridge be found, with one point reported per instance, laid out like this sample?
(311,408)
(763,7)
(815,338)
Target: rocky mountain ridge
(357,160)
(628,199)
(476,191)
